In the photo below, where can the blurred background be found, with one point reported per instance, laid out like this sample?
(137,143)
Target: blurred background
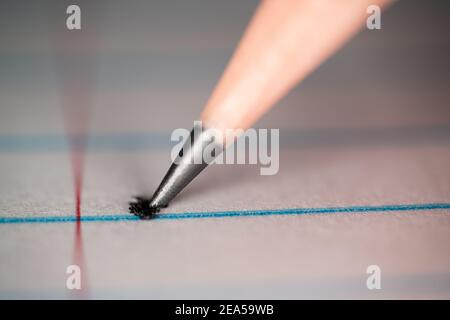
(139,69)
(151,65)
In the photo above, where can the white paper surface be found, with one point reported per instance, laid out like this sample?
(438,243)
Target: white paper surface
(367,129)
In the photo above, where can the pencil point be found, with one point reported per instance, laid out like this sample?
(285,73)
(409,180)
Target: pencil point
(141,207)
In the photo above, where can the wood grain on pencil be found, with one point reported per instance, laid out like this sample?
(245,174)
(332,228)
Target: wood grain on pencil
(284,42)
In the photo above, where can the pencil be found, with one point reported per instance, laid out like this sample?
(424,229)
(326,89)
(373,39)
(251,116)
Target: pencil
(284,42)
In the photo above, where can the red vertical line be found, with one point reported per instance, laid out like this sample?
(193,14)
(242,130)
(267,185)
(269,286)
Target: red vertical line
(77,157)
(74,54)
(77,101)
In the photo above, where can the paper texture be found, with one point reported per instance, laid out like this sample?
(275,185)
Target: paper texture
(370,128)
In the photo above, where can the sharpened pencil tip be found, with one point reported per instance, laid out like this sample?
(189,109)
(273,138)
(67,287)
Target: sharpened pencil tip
(142,208)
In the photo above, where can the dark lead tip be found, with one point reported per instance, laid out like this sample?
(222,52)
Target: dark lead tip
(142,208)
(186,167)
(182,171)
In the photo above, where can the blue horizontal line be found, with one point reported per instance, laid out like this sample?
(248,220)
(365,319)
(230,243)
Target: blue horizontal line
(229,214)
